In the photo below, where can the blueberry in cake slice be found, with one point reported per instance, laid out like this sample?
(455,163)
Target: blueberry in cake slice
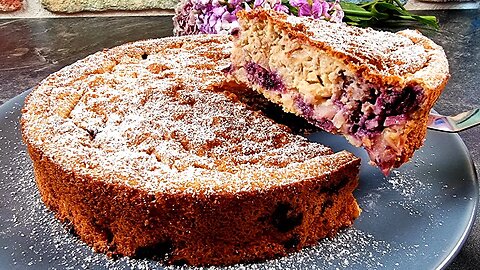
(376,88)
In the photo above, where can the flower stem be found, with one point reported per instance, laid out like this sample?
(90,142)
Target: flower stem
(358,13)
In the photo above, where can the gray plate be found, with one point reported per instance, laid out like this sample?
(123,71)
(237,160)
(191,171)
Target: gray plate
(418,218)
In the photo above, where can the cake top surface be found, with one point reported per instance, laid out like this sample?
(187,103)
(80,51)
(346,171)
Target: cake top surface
(401,57)
(161,115)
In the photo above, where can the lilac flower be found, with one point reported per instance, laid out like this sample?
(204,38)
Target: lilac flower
(337,14)
(247,7)
(320,9)
(215,17)
(235,3)
(304,9)
(258,3)
(317,9)
(281,8)
(219,16)
(271,4)
(185,19)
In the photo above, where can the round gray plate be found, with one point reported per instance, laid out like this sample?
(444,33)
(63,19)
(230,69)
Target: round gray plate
(417,218)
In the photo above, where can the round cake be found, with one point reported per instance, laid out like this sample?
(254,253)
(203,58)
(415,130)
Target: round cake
(147,150)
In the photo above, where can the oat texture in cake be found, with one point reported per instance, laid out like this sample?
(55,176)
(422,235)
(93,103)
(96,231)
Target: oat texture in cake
(376,88)
(146,150)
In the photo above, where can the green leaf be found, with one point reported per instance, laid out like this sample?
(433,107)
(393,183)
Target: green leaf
(383,11)
(387,7)
(378,14)
(350,6)
(357,18)
(360,13)
(428,20)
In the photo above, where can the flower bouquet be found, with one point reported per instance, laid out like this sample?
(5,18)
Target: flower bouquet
(219,16)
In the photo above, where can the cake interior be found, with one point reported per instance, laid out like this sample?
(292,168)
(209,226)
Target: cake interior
(308,82)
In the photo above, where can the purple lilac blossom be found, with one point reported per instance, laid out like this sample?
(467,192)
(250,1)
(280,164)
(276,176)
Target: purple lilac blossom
(281,8)
(337,14)
(185,19)
(219,16)
(317,9)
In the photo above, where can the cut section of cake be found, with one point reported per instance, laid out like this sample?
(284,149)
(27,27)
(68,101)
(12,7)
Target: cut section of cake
(146,151)
(376,88)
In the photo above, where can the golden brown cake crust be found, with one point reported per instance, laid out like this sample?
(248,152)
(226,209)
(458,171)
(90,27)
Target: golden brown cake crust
(146,151)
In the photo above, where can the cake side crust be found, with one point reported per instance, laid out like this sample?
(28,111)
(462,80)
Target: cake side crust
(198,230)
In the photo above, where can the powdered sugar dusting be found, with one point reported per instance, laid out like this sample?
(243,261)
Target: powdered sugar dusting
(385,52)
(401,58)
(406,184)
(148,112)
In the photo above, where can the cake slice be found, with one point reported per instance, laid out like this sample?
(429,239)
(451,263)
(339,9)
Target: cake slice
(376,88)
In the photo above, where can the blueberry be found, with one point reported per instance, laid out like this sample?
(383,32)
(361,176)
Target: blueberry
(159,251)
(285,219)
(292,242)
(267,79)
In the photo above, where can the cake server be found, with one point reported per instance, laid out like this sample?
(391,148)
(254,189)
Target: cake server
(454,123)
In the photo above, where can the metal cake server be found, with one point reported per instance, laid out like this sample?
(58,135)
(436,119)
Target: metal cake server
(455,123)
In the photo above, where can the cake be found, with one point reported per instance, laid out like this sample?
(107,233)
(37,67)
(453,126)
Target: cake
(146,150)
(376,88)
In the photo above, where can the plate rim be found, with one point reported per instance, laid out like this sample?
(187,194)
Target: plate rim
(471,220)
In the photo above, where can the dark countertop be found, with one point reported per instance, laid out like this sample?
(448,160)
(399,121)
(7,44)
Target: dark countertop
(30,49)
